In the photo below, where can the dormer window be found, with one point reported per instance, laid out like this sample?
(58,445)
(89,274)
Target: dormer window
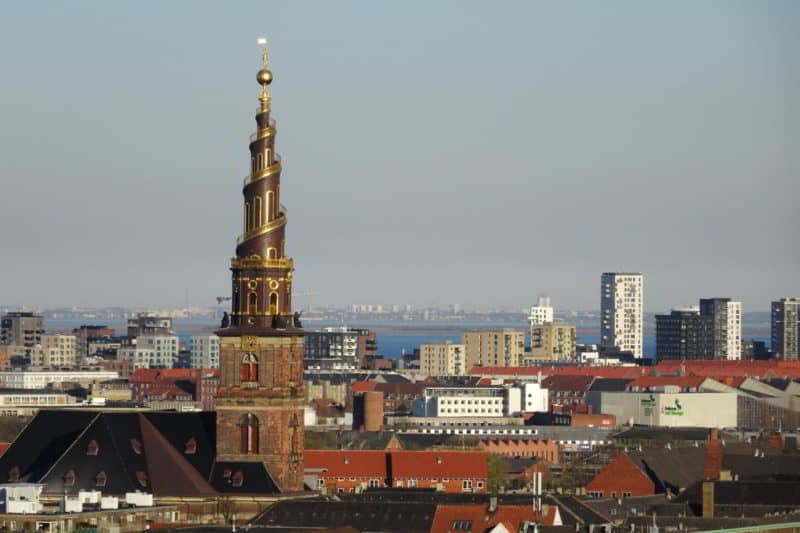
(141,477)
(136,446)
(100,479)
(190,448)
(13,475)
(237,479)
(92,448)
(227,473)
(69,478)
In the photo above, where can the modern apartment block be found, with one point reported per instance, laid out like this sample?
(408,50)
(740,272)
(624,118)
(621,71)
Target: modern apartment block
(726,326)
(149,324)
(683,334)
(552,342)
(22,329)
(86,334)
(785,328)
(501,347)
(205,351)
(711,331)
(338,348)
(541,313)
(55,351)
(151,351)
(442,359)
(621,309)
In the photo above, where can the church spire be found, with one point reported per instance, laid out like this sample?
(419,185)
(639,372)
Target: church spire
(264,77)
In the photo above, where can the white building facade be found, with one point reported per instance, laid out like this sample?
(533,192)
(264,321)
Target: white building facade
(151,351)
(541,313)
(621,311)
(205,351)
(41,379)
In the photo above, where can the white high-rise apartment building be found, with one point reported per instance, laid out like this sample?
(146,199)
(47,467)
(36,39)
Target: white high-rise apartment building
(542,313)
(621,311)
(726,326)
(152,351)
(205,351)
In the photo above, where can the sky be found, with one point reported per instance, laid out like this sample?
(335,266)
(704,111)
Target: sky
(477,153)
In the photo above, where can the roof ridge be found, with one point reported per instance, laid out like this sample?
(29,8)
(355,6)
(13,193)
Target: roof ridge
(72,445)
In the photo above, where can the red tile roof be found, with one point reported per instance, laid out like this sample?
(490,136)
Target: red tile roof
(348,463)
(439,464)
(631,372)
(482,519)
(363,386)
(3,447)
(572,383)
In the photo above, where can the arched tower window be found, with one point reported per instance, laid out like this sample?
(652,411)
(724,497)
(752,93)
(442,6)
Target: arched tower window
(247,216)
(272,253)
(248,371)
(267,157)
(252,303)
(270,205)
(274,309)
(248,426)
(257,211)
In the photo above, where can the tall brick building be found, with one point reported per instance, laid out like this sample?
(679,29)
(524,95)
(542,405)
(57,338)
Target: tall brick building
(260,400)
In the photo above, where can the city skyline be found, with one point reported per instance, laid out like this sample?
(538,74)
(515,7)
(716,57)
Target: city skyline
(564,107)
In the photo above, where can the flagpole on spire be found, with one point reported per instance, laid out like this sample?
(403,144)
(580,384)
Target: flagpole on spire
(264,76)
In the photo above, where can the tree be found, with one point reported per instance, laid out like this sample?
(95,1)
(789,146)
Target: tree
(496,467)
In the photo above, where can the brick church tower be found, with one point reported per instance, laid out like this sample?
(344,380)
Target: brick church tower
(260,399)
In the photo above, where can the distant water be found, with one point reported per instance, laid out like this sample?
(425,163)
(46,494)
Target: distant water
(392,343)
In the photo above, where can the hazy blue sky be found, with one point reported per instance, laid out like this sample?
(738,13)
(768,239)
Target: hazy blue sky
(470,152)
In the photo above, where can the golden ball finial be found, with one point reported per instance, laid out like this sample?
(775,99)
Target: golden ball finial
(264,77)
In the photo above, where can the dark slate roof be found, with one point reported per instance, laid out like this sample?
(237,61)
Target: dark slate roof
(144,451)
(775,494)
(770,467)
(422,441)
(663,433)
(673,469)
(363,516)
(609,384)
(433,496)
(622,507)
(256,478)
(576,511)
(364,440)
(518,465)
(46,437)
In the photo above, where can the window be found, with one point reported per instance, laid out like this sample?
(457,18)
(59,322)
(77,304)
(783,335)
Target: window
(466,484)
(92,448)
(69,478)
(373,483)
(321,483)
(237,479)
(248,371)
(626,494)
(13,475)
(461,525)
(141,477)
(252,303)
(100,479)
(412,482)
(273,303)
(190,447)
(248,426)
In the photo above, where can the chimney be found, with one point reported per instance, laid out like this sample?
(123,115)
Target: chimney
(708,499)
(712,460)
